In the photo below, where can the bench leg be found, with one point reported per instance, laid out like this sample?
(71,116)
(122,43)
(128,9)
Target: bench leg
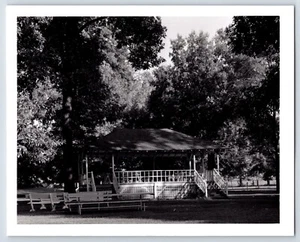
(141,206)
(32,208)
(43,206)
(53,208)
(65,206)
(79,209)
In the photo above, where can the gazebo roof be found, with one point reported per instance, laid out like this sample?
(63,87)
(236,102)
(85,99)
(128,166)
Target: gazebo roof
(149,140)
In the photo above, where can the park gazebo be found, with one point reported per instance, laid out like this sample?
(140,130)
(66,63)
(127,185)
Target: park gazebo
(198,176)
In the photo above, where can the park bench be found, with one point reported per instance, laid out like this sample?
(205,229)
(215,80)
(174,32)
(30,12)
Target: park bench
(104,200)
(43,199)
(23,197)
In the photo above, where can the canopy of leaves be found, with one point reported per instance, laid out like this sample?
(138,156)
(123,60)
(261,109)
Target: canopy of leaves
(83,74)
(37,139)
(200,91)
(259,36)
(88,62)
(255,35)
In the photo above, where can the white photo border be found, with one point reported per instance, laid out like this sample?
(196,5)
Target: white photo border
(286,225)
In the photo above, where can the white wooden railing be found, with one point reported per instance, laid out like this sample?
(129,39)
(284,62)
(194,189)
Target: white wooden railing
(154,176)
(142,176)
(201,183)
(219,180)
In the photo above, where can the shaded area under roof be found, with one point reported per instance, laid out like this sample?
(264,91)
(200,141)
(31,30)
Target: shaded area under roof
(147,140)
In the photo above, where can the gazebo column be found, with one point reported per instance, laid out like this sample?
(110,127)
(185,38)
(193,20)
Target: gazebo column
(113,165)
(203,166)
(218,162)
(194,162)
(87,173)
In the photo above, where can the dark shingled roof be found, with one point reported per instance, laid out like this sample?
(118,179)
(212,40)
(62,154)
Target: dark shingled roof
(153,140)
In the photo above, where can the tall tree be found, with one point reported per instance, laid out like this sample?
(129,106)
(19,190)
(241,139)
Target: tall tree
(237,159)
(259,37)
(82,55)
(199,92)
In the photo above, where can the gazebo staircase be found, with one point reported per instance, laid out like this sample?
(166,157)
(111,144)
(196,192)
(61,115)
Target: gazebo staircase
(218,188)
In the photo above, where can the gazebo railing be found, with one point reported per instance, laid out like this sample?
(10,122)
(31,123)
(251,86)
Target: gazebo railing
(201,183)
(219,180)
(143,176)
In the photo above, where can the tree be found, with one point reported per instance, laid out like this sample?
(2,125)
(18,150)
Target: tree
(159,108)
(255,35)
(238,158)
(200,92)
(82,56)
(259,37)
(136,113)
(37,141)
(188,86)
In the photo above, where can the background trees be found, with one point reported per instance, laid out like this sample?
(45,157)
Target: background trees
(80,77)
(205,86)
(212,91)
(252,36)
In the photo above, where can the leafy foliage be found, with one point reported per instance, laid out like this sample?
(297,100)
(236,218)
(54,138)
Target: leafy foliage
(80,77)
(255,35)
(201,90)
(89,61)
(37,141)
(252,36)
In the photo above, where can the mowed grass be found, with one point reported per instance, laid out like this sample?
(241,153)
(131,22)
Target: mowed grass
(251,209)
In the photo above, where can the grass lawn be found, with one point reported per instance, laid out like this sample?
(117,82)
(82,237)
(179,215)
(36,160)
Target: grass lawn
(250,209)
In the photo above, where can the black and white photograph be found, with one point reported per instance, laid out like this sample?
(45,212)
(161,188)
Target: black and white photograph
(148,119)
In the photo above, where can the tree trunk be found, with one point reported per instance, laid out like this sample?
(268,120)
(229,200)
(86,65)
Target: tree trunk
(69,64)
(68,138)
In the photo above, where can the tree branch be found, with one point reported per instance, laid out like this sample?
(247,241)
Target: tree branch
(89,23)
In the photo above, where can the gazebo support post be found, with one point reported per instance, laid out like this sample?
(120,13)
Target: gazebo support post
(203,167)
(218,162)
(194,162)
(87,173)
(113,165)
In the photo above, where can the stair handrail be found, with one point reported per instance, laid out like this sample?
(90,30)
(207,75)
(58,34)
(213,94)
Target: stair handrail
(200,182)
(219,180)
(92,182)
(115,183)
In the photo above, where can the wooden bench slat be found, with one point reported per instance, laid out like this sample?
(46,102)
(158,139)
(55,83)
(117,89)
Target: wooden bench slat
(99,208)
(98,200)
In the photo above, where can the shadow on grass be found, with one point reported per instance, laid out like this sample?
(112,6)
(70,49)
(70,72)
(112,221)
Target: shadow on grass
(233,210)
